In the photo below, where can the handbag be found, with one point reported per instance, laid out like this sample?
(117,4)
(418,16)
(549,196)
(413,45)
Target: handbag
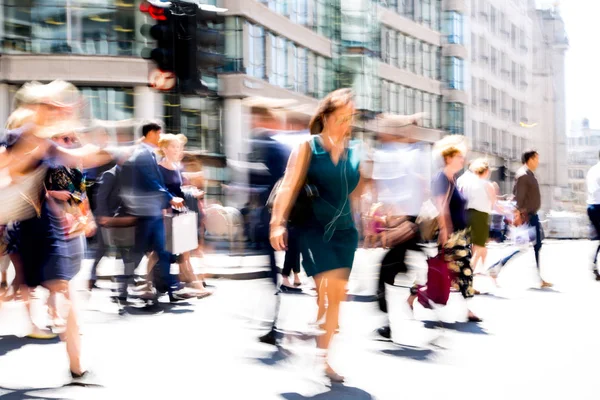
(427,219)
(437,290)
(182,232)
(398,230)
(302,208)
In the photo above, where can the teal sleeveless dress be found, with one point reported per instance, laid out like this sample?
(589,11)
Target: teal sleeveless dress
(328,240)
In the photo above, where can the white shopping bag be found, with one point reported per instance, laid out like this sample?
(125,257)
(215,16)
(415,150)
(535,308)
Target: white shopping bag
(182,232)
(522,235)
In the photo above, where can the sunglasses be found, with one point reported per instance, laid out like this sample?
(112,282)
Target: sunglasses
(68,140)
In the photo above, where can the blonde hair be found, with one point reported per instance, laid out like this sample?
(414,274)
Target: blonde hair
(168,138)
(327,106)
(450,152)
(20,117)
(479,166)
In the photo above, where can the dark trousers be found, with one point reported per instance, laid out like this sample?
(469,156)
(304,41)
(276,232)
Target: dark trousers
(534,222)
(393,264)
(594,215)
(150,235)
(292,255)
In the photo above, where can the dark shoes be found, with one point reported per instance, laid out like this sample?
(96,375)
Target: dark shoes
(385,332)
(269,338)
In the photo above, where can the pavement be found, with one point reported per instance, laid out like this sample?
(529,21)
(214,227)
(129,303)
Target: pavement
(532,344)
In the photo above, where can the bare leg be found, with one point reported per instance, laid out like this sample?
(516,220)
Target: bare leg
(335,290)
(321,297)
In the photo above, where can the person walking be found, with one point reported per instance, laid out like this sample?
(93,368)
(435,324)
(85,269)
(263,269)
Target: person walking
(593,209)
(145,196)
(529,200)
(328,237)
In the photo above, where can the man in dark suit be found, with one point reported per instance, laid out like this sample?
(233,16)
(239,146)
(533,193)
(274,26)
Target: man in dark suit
(145,196)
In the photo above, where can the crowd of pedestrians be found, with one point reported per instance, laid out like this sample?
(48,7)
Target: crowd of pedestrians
(306,200)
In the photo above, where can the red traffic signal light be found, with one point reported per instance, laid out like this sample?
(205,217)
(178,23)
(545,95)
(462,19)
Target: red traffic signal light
(157,13)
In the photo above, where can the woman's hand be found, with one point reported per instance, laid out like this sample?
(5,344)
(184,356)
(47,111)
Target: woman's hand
(278,237)
(62,195)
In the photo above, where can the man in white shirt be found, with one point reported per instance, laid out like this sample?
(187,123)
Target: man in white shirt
(593,187)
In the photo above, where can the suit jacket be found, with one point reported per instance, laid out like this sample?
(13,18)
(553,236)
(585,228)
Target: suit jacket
(143,189)
(274,157)
(108,196)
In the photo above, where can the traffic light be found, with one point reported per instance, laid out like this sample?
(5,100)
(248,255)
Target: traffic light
(201,55)
(162,32)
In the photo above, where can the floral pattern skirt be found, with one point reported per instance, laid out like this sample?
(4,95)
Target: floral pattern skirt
(457,253)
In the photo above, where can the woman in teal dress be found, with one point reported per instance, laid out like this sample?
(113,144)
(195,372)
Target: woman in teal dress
(328,238)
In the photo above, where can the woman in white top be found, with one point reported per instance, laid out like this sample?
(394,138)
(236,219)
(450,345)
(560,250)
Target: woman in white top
(481,198)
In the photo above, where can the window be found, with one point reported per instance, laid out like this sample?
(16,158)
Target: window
(427,109)
(234,44)
(385,96)
(474,135)
(385,44)
(513,36)
(410,101)
(436,111)
(394,98)
(493,21)
(453,27)
(495,141)
(200,123)
(410,53)
(473,48)
(523,107)
(407,8)
(109,104)
(301,70)
(515,111)
(418,101)
(426,12)
(418,58)
(428,70)
(438,64)
(256,51)
(455,115)
(82,27)
(402,100)
(454,73)
(483,135)
(483,50)
(474,8)
(494,61)
(514,73)
(494,103)
(279,60)
(279,6)
(299,11)
(402,54)
(522,40)
(393,48)
(504,64)
(483,93)
(473,91)
(523,75)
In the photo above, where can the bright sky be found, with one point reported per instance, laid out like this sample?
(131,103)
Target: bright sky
(582,67)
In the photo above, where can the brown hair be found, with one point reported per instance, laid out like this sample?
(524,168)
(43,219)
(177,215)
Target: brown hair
(331,102)
(449,153)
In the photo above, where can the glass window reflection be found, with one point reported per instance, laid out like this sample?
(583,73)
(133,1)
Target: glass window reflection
(100,27)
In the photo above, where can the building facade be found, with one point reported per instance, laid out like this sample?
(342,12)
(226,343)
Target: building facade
(583,153)
(467,64)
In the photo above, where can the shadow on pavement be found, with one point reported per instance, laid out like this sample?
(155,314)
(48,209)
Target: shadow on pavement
(414,353)
(276,357)
(11,343)
(464,327)
(24,394)
(543,290)
(337,392)
(361,298)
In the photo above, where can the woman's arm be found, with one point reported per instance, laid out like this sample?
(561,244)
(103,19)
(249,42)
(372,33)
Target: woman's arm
(88,156)
(293,179)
